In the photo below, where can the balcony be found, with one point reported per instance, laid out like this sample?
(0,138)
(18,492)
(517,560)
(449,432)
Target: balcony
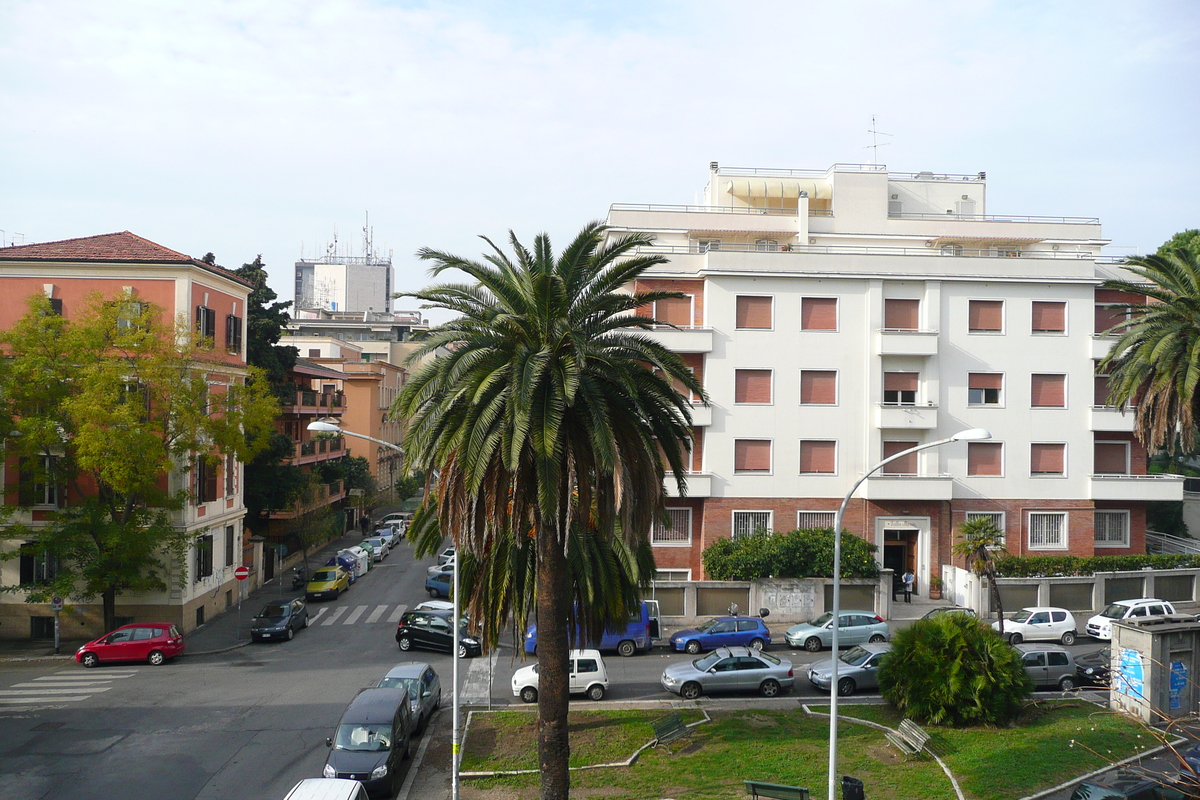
(699,484)
(684,340)
(1108,418)
(908,487)
(317,450)
(1136,487)
(701,415)
(782,222)
(319,403)
(906,343)
(323,494)
(915,418)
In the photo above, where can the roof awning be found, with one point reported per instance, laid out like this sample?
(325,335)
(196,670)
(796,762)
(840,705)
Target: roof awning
(980,243)
(778,188)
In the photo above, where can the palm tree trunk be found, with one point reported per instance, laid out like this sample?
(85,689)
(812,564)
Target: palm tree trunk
(554,747)
(991,576)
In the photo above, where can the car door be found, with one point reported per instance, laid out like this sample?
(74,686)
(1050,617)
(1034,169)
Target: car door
(115,646)
(1035,667)
(1058,624)
(723,676)
(1038,626)
(299,613)
(751,672)
(1155,610)
(140,644)
(654,629)
(869,679)
(747,629)
(857,629)
(440,634)
(721,635)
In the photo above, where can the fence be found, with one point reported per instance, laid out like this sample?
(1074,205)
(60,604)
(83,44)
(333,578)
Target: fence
(684,603)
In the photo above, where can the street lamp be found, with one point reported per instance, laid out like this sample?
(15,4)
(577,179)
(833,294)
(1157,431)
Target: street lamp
(973,434)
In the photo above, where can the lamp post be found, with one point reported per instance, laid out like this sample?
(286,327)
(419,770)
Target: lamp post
(973,434)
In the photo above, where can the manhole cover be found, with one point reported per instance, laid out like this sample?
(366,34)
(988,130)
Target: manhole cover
(48,726)
(248,664)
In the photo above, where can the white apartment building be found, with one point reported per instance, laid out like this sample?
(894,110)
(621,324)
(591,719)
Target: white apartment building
(837,317)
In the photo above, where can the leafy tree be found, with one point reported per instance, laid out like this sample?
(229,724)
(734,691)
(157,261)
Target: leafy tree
(105,407)
(543,430)
(1188,240)
(954,670)
(804,553)
(270,485)
(315,527)
(981,544)
(265,322)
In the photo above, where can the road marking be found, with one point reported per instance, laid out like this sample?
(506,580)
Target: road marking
(397,614)
(88,676)
(475,686)
(317,615)
(25,701)
(35,684)
(376,614)
(353,618)
(337,612)
(44,690)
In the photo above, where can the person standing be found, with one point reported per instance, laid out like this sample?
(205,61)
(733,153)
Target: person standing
(364,522)
(908,585)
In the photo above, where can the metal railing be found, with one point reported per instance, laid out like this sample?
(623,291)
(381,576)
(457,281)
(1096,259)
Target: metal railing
(768,172)
(993,217)
(308,449)
(1159,543)
(783,212)
(752,247)
(318,399)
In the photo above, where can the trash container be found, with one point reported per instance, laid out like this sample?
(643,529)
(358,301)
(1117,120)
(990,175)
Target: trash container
(852,788)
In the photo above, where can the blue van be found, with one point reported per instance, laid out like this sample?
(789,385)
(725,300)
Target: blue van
(639,634)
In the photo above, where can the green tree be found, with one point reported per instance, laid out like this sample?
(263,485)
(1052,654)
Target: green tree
(104,407)
(544,429)
(1188,240)
(265,322)
(954,670)
(981,544)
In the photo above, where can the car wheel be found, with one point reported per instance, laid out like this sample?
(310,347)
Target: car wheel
(407,752)
(307,621)
(437,703)
(156,658)
(769,688)
(693,647)
(626,649)
(529,694)
(90,660)
(595,692)
(757,644)
(1016,638)
(405,643)
(462,651)
(1067,683)
(1068,638)
(690,690)
(846,687)
(812,644)
(877,638)
(433,593)
(291,633)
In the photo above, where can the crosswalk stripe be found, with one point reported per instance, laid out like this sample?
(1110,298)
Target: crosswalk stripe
(317,615)
(25,701)
(376,614)
(397,614)
(82,686)
(22,692)
(353,618)
(337,612)
(89,676)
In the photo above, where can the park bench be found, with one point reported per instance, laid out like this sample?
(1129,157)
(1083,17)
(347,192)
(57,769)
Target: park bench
(909,737)
(778,791)
(669,729)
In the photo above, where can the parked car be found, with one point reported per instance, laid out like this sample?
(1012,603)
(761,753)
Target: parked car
(854,627)
(279,620)
(638,634)
(431,630)
(1100,626)
(857,669)
(1039,624)
(446,555)
(1092,669)
(423,686)
(348,562)
(327,582)
(438,569)
(327,789)
(1125,786)
(1049,665)
(390,534)
(152,642)
(717,632)
(589,676)
(738,669)
(375,555)
(439,585)
(374,735)
(378,543)
(399,519)
(434,605)
(970,612)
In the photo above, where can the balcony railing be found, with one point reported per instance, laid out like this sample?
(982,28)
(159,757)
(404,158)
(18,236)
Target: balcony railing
(313,447)
(994,217)
(701,209)
(802,249)
(318,399)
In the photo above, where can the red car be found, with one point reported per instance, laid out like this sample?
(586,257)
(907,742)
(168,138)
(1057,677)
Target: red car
(153,642)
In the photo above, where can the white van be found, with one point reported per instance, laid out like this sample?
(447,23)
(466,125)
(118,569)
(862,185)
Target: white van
(361,556)
(589,676)
(327,789)
(1100,626)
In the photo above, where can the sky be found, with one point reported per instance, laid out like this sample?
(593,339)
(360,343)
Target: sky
(269,127)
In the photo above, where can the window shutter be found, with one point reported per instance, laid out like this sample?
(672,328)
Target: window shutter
(26,491)
(753,312)
(1047,459)
(902,466)
(818,313)
(818,457)
(752,386)
(901,315)
(985,380)
(675,310)
(984,458)
(1110,458)
(1048,391)
(27,573)
(1102,389)
(752,455)
(1049,317)
(986,315)
(900,381)
(818,387)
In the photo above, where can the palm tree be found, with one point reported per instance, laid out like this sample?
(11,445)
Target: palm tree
(544,425)
(1155,365)
(981,542)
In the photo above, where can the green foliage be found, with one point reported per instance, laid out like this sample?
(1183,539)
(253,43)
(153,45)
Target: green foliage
(1188,241)
(265,323)
(954,670)
(1166,516)
(796,554)
(1053,566)
(357,474)
(411,485)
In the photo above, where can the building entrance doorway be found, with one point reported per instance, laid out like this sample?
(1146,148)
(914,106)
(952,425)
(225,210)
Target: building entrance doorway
(900,555)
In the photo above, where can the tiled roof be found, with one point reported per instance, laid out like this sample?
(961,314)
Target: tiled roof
(123,246)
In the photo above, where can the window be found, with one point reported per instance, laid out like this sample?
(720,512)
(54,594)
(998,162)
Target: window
(676,531)
(1110,458)
(818,314)
(985,316)
(997,518)
(751,455)
(38,482)
(56,306)
(808,520)
(230,474)
(983,388)
(129,315)
(672,574)
(818,457)
(1047,459)
(1100,392)
(900,315)
(38,566)
(314,352)
(901,466)
(204,556)
(747,523)
(900,388)
(1047,530)
(1112,528)
(1049,317)
(1048,391)
(230,537)
(206,481)
(985,458)
(952,250)
(754,312)
(674,311)
(766,245)
(233,333)
(1112,308)
(752,386)
(705,245)
(206,322)
(818,387)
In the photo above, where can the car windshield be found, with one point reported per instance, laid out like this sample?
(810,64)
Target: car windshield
(704,664)
(411,684)
(1022,616)
(1115,611)
(273,611)
(824,619)
(364,738)
(325,575)
(855,656)
(770,659)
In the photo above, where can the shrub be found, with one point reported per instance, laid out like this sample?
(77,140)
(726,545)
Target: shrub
(797,554)
(954,670)
(1049,566)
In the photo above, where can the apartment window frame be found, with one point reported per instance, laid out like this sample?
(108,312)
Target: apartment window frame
(737,299)
(981,400)
(800,456)
(768,471)
(707,245)
(1110,514)
(1128,456)
(994,516)
(747,528)
(204,557)
(230,541)
(691,315)
(917,323)
(233,333)
(837,313)
(1048,539)
(901,397)
(889,468)
(661,536)
(985,446)
(836,385)
(230,474)
(1065,389)
(987,331)
(206,485)
(766,245)
(1051,475)
(206,322)
(800,519)
(770,386)
(44,491)
(670,574)
(1049,332)
(37,565)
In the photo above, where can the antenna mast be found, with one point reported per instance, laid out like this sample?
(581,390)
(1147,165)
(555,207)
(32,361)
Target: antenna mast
(875,145)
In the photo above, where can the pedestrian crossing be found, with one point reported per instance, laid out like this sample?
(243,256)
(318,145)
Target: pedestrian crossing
(354,615)
(65,686)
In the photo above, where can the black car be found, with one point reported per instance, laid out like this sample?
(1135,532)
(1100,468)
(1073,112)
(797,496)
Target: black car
(279,621)
(1125,786)
(375,734)
(1093,668)
(431,630)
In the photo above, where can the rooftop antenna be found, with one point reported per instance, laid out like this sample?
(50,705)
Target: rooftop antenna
(875,145)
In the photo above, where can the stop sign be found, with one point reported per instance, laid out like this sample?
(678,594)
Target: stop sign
(241,573)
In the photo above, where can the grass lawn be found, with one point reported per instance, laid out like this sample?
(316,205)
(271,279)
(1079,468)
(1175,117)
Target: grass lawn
(791,747)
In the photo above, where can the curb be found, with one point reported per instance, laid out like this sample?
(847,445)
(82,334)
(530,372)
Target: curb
(49,657)
(216,652)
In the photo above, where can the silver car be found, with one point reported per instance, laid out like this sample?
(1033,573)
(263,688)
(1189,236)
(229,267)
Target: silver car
(730,669)
(424,689)
(855,627)
(857,669)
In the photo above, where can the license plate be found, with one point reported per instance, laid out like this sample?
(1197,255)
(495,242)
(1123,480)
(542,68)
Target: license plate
(265,635)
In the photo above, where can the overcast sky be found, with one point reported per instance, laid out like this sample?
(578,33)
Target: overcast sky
(265,127)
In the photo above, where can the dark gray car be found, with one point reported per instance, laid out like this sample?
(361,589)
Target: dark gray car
(374,736)
(857,669)
(279,621)
(424,689)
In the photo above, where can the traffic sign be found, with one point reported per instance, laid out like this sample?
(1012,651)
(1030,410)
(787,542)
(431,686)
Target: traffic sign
(56,604)
(241,573)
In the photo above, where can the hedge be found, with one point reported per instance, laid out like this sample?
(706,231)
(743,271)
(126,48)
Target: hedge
(1055,566)
(797,554)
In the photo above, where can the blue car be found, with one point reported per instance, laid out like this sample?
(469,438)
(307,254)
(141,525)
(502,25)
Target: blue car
(438,585)
(722,632)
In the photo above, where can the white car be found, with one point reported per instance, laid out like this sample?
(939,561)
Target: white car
(440,568)
(1100,626)
(446,555)
(589,676)
(1039,624)
(434,605)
